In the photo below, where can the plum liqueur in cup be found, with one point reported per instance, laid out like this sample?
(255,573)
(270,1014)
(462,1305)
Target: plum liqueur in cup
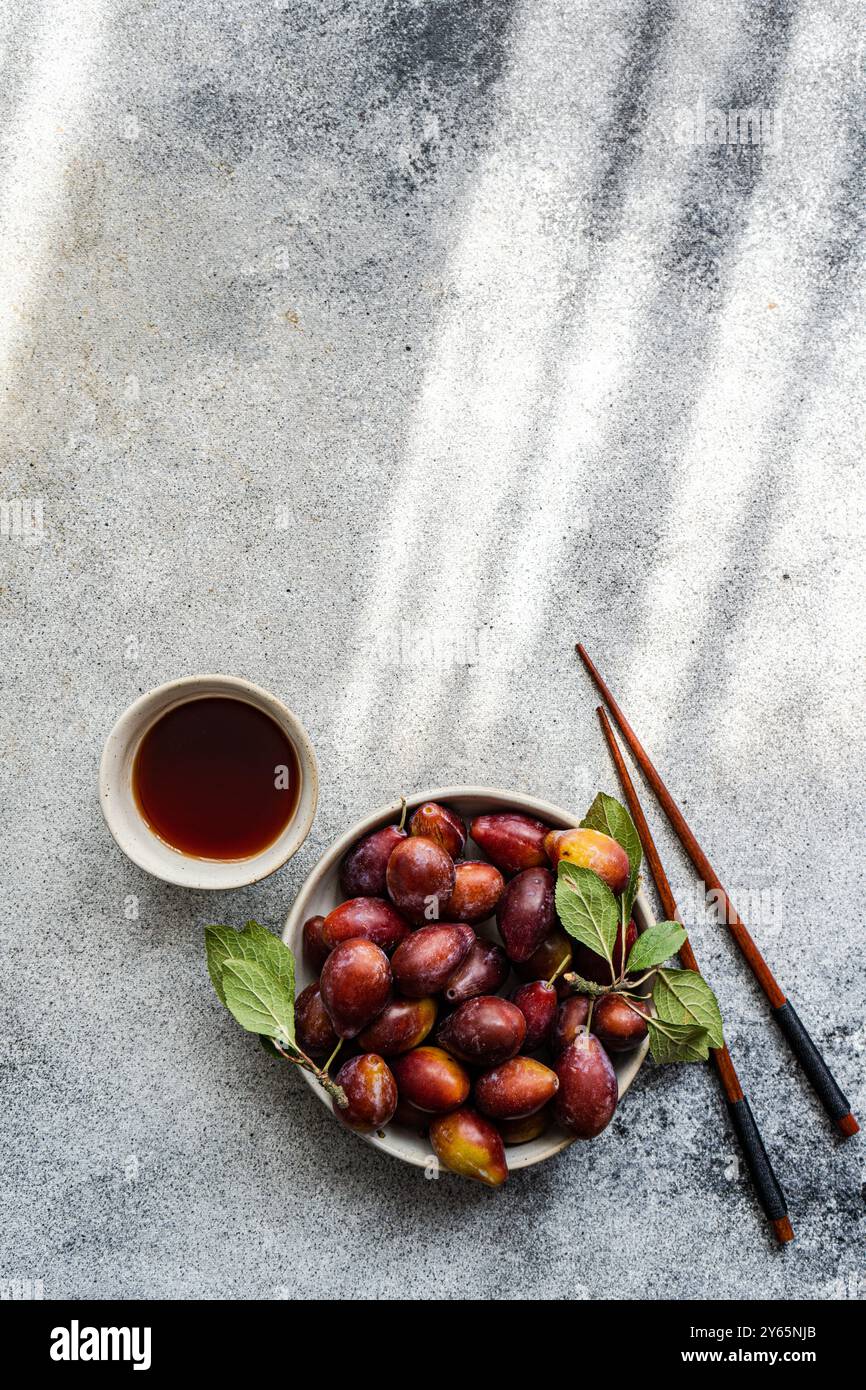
(216,778)
(208,782)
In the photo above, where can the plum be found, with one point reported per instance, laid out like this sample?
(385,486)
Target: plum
(616,1025)
(537,1001)
(440,824)
(510,840)
(355,984)
(426,960)
(362,872)
(313,1026)
(402,1025)
(552,957)
(526,914)
(528,1128)
(571,1016)
(315,950)
(420,878)
(515,1089)
(591,849)
(588,1092)
(468,1144)
(484,1031)
(409,1115)
(370,1090)
(431,1079)
(482,971)
(375,918)
(476,891)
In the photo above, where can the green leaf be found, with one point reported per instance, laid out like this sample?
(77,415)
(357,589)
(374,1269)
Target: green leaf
(587,908)
(677,1042)
(655,945)
(254,943)
(259,1000)
(610,817)
(217,945)
(684,997)
(269,949)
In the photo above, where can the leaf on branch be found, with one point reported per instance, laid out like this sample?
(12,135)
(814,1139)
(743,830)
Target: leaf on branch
(587,908)
(610,817)
(254,943)
(259,1000)
(684,997)
(656,945)
(677,1042)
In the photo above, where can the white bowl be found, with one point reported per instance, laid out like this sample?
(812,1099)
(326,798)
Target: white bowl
(321,892)
(134,835)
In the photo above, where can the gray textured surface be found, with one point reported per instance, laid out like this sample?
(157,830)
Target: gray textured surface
(331,333)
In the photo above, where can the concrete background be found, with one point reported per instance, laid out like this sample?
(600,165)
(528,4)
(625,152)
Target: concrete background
(378,352)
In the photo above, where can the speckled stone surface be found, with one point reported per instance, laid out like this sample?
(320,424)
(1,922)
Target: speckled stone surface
(378,352)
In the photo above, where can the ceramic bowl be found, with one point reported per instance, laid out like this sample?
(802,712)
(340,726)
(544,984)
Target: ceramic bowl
(321,892)
(132,832)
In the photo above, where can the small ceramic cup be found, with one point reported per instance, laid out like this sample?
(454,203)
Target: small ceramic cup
(132,832)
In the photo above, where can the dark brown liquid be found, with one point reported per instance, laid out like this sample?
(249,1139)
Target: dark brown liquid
(216,778)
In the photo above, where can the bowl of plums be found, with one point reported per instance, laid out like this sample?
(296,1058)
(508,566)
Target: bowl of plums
(449,1003)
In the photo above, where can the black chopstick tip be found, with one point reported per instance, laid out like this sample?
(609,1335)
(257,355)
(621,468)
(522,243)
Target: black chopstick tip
(848,1125)
(784,1230)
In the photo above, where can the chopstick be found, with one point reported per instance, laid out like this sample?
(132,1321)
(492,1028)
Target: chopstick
(801,1044)
(767,1186)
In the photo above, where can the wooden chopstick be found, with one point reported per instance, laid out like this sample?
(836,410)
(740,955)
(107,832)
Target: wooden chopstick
(767,1186)
(801,1044)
